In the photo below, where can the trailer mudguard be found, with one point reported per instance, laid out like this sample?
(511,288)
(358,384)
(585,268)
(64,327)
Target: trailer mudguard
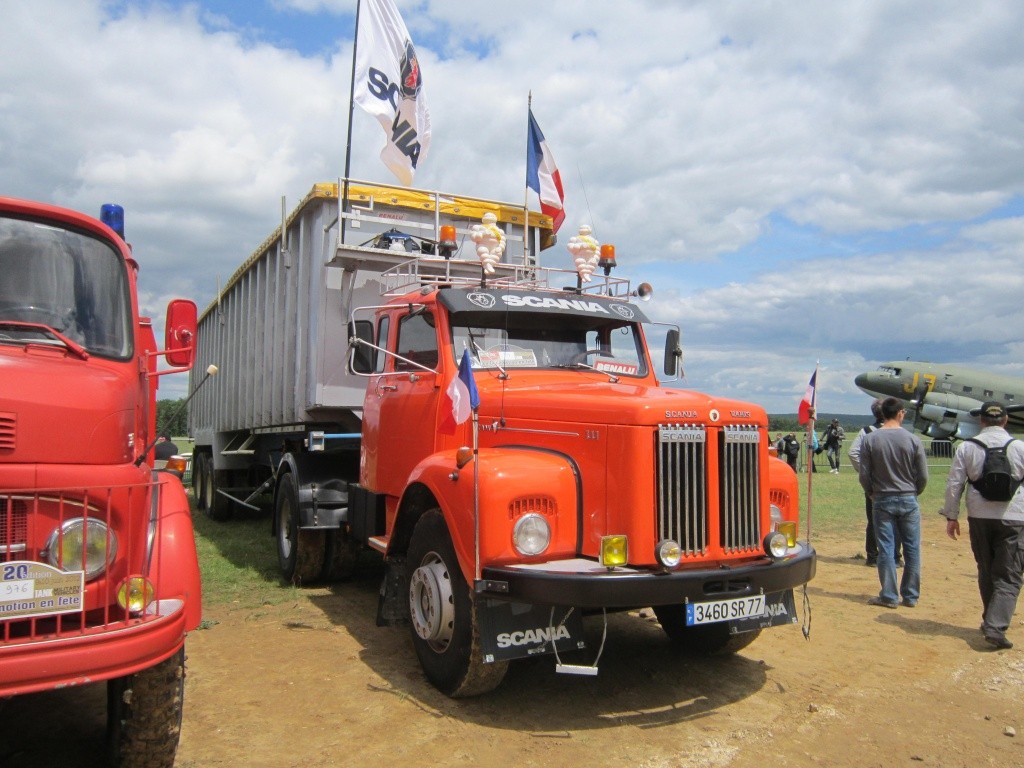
(513,483)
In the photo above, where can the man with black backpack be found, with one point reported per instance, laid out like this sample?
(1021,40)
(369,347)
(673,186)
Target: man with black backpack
(993,465)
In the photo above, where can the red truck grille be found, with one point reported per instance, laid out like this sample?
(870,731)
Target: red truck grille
(41,602)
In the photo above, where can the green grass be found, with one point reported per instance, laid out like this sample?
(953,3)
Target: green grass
(238,561)
(837,501)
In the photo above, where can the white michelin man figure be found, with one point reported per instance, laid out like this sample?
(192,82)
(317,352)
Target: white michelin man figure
(490,242)
(585,251)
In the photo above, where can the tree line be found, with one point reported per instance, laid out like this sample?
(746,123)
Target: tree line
(171,418)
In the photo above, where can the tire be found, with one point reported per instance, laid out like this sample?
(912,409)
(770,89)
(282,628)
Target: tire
(341,556)
(199,480)
(442,612)
(217,507)
(703,640)
(300,554)
(144,715)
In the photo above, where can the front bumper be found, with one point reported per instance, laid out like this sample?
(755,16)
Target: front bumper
(55,662)
(586,584)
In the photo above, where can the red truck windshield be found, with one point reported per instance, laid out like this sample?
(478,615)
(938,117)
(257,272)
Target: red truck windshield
(65,281)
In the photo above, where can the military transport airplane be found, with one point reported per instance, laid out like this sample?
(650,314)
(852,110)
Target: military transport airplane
(944,398)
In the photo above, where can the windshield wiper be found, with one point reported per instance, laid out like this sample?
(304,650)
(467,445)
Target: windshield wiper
(72,346)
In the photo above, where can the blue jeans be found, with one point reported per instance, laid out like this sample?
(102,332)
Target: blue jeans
(902,515)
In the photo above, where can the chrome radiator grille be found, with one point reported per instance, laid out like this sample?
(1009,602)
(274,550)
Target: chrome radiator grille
(682,488)
(740,477)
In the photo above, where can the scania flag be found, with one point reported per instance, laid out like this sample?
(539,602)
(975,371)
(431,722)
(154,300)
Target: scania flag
(389,85)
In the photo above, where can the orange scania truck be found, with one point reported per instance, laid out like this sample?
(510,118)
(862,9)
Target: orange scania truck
(579,484)
(99,579)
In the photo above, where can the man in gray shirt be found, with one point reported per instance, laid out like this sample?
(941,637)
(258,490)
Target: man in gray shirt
(894,472)
(996,527)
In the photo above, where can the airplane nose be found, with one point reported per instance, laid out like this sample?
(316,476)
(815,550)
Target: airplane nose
(861,380)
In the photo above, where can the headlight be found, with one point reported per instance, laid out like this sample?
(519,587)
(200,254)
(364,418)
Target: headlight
(776,514)
(531,534)
(668,553)
(775,544)
(81,544)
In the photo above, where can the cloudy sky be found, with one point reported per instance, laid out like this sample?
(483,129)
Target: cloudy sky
(801,181)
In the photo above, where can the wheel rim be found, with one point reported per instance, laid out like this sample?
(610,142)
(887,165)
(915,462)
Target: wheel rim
(208,485)
(431,602)
(284,529)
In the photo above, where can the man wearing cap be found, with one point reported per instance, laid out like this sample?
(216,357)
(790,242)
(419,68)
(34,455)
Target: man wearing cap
(996,528)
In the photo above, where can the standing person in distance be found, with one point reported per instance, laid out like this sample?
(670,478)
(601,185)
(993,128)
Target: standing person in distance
(894,472)
(870,542)
(996,528)
(791,447)
(833,437)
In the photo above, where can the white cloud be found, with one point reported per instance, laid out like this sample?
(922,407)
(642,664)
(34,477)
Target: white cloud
(684,133)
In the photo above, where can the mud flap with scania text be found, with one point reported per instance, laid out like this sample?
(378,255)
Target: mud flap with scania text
(518,630)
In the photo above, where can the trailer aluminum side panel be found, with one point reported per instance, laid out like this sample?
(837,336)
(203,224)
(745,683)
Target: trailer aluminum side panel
(278,329)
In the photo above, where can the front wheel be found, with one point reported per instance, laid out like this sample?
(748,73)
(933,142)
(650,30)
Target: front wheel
(300,554)
(442,612)
(144,715)
(704,639)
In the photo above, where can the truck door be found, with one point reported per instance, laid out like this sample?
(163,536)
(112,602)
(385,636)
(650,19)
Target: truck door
(408,402)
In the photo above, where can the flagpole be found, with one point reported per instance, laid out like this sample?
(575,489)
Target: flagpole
(348,141)
(476,492)
(809,441)
(526,190)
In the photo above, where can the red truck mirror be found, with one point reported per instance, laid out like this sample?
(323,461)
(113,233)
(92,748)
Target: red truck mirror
(180,341)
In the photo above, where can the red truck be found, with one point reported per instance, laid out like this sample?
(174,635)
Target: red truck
(587,487)
(99,579)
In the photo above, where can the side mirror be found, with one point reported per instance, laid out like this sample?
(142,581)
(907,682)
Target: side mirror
(180,329)
(362,358)
(673,352)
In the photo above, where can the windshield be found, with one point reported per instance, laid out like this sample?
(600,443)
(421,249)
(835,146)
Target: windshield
(66,281)
(564,342)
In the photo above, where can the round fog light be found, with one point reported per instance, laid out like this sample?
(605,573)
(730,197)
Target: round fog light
(668,553)
(775,544)
(135,593)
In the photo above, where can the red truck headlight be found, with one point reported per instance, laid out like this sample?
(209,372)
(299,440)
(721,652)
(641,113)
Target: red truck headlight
(531,534)
(82,544)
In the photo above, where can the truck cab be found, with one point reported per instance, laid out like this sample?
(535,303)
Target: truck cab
(579,485)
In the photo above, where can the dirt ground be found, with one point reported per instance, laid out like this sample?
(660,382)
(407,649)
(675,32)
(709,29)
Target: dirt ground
(313,682)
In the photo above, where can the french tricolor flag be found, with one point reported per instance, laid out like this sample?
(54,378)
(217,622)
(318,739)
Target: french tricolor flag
(806,410)
(461,395)
(542,175)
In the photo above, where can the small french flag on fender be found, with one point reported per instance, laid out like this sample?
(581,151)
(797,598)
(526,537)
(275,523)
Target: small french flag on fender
(461,396)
